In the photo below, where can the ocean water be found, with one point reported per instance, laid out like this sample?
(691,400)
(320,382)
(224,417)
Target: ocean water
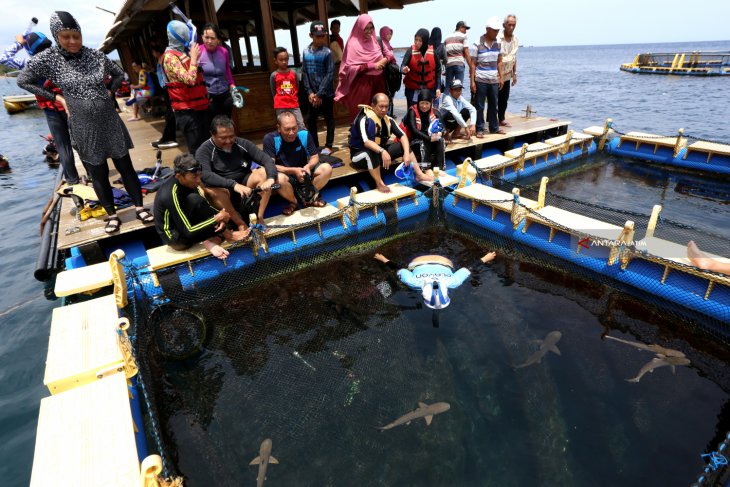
(582,84)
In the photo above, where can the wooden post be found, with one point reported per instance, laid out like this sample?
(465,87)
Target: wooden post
(235,47)
(363,6)
(294,37)
(651,226)
(267,31)
(125,346)
(521,160)
(435,193)
(604,135)
(209,12)
(260,238)
(151,468)
(517,213)
(118,278)
(321,9)
(678,144)
(247,41)
(621,252)
(352,210)
(541,194)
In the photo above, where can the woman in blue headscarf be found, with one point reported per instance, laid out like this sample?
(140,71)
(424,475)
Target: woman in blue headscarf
(96,128)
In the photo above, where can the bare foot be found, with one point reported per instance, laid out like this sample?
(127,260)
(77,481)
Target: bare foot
(383,188)
(215,249)
(489,257)
(381,258)
(698,258)
(240,234)
(424,176)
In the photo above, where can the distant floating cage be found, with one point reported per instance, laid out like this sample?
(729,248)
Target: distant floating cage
(697,63)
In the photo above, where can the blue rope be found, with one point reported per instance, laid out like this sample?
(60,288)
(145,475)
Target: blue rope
(254,235)
(155,427)
(717,460)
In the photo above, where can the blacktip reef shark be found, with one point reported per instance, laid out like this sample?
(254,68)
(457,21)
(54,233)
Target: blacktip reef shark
(657,349)
(263,461)
(660,361)
(425,411)
(546,345)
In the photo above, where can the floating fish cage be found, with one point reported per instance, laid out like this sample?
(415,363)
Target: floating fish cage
(695,63)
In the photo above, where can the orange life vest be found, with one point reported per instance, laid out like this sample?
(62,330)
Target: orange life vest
(416,113)
(422,68)
(186,97)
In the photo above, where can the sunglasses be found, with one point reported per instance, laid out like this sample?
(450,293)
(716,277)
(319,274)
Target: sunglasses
(193,170)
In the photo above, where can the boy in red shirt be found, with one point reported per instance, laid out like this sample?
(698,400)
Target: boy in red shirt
(285,87)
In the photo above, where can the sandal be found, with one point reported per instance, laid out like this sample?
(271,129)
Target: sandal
(318,203)
(112,225)
(289,209)
(145,216)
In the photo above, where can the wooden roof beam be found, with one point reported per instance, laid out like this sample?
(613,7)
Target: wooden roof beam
(392,4)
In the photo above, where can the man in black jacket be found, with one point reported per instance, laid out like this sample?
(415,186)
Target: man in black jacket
(183,217)
(227,170)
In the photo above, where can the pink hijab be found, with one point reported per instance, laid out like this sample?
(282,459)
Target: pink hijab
(387,48)
(358,51)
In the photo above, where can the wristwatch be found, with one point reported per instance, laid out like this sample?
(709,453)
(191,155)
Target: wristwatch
(381,150)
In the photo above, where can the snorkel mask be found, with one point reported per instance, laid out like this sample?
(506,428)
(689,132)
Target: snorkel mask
(435,294)
(191,27)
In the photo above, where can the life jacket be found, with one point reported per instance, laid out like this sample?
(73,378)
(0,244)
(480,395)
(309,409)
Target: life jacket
(185,97)
(417,113)
(45,103)
(422,68)
(374,127)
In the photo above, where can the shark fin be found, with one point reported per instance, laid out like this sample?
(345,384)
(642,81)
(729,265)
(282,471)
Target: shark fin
(422,405)
(273,460)
(255,461)
(428,419)
(554,349)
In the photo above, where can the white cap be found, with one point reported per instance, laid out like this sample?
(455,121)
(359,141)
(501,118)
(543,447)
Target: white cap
(494,23)
(435,294)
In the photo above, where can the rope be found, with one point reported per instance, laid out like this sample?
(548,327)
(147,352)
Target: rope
(717,460)
(686,136)
(155,427)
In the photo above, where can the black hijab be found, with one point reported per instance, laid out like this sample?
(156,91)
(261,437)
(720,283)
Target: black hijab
(436,37)
(64,21)
(423,34)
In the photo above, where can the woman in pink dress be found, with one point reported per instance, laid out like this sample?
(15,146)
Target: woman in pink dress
(361,70)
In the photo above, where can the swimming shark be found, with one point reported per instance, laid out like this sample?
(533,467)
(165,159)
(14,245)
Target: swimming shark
(546,345)
(263,461)
(657,349)
(659,361)
(425,411)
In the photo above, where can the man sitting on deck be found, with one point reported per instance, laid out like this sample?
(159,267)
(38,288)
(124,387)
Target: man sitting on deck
(457,114)
(295,155)
(183,217)
(369,147)
(227,173)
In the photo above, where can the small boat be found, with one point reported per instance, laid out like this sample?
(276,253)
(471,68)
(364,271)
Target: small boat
(696,63)
(18,103)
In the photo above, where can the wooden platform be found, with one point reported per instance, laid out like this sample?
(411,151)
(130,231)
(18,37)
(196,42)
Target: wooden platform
(85,437)
(73,232)
(709,148)
(651,139)
(82,344)
(487,195)
(83,279)
(554,217)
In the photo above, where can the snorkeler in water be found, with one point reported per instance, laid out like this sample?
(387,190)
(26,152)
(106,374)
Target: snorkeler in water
(433,275)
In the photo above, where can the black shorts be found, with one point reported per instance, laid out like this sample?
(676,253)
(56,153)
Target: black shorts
(368,159)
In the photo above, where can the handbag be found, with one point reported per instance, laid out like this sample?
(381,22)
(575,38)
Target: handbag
(392,74)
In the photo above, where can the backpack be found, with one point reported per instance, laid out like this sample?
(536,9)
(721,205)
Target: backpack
(392,74)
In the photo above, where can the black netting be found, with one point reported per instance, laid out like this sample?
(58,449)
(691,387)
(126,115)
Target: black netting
(306,336)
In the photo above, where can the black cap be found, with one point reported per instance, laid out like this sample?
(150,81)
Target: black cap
(186,163)
(461,24)
(456,85)
(318,28)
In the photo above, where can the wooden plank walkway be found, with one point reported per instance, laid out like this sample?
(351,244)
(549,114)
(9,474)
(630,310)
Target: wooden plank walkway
(73,232)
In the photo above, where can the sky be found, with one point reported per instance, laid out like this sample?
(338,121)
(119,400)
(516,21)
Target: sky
(539,22)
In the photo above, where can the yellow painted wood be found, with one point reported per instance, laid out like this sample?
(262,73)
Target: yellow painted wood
(577,138)
(83,279)
(300,218)
(495,161)
(83,342)
(493,197)
(375,197)
(595,130)
(164,256)
(709,148)
(85,438)
(578,223)
(655,140)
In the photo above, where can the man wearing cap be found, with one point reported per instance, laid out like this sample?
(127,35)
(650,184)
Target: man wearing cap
(183,217)
(457,50)
(457,114)
(433,275)
(510,45)
(318,71)
(486,77)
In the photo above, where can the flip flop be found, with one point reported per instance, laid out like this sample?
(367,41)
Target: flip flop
(289,209)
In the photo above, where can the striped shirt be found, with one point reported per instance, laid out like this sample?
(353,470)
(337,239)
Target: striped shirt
(318,70)
(455,45)
(487,58)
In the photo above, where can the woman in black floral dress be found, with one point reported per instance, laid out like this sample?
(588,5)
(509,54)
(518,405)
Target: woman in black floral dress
(94,124)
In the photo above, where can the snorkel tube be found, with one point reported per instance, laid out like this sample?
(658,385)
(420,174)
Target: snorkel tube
(188,22)
(32,25)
